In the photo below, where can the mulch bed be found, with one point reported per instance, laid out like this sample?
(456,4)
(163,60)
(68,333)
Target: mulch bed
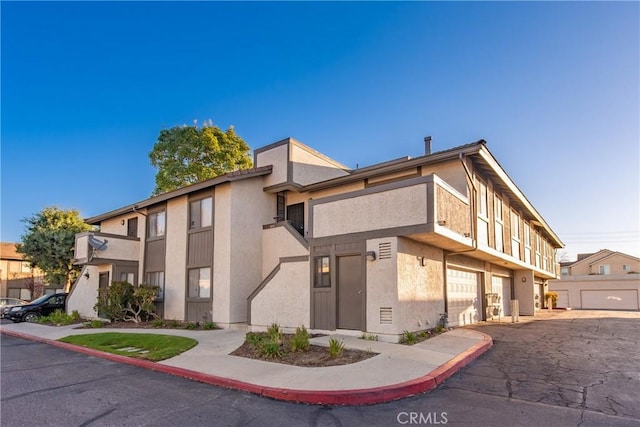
(316,356)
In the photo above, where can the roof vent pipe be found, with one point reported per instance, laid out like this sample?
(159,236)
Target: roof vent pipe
(427,145)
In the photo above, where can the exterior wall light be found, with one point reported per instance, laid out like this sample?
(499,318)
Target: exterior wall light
(442,222)
(422,261)
(371,256)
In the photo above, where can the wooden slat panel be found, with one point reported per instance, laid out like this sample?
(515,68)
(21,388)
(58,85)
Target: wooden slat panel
(200,249)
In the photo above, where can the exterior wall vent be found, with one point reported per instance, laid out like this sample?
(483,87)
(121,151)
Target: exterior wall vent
(384,250)
(386,316)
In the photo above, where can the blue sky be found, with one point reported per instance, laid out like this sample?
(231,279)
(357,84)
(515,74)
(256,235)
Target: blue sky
(552,87)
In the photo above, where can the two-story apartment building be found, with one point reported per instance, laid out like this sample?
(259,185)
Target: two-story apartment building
(301,239)
(601,280)
(18,279)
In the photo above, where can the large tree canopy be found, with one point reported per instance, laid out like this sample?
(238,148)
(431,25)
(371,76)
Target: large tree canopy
(185,155)
(49,241)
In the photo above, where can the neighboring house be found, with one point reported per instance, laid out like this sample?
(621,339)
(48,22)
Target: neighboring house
(17,278)
(301,239)
(602,280)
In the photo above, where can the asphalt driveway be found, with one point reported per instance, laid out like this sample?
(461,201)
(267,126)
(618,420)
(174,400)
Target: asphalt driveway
(587,360)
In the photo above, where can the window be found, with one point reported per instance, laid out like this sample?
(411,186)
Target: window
(482,201)
(483,224)
(132,227)
(127,277)
(156,278)
(200,282)
(515,235)
(537,250)
(626,267)
(564,271)
(156,224)
(527,243)
(605,269)
(201,213)
(295,214)
(322,276)
(280,206)
(497,208)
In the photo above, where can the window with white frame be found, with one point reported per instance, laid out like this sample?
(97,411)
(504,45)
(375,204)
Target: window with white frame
(527,243)
(156,278)
(156,221)
(605,269)
(626,267)
(564,271)
(483,215)
(200,282)
(499,226)
(545,255)
(515,235)
(538,250)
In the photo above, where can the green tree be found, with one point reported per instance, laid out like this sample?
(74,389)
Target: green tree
(49,241)
(185,155)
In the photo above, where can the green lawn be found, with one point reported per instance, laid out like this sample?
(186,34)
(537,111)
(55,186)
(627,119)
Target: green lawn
(152,347)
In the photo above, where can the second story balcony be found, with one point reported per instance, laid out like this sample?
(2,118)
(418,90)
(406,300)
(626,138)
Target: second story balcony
(95,248)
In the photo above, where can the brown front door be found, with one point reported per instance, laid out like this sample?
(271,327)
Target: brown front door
(350,292)
(103,283)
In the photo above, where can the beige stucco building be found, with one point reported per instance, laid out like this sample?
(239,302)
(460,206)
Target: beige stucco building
(602,280)
(301,239)
(17,278)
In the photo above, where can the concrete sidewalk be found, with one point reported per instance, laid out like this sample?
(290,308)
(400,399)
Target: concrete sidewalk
(396,372)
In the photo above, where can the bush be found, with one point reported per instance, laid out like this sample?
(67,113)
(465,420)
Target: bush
(270,349)
(158,323)
(209,325)
(94,324)
(190,325)
(553,296)
(123,301)
(274,333)
(408,338)
(335,347)
(300,340)
(59,317)
(254,338)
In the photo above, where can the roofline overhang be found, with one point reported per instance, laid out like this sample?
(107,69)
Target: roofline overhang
(228,177)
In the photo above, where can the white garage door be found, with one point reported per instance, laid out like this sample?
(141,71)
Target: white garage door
(563,299)
(620,299)
(462,297)
(502,287)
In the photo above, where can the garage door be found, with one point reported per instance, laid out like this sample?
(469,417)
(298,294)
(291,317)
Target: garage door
(563,299)
(462,297)
(502,287)
(620,299)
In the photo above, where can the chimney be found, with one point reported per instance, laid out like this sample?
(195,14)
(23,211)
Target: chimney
(427,145)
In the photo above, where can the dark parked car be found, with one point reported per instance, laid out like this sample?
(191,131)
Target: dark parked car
(7,303)
(43,306)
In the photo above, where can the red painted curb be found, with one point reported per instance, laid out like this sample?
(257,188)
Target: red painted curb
(319,397)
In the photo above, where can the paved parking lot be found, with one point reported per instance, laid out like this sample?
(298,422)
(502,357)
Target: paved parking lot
(588,360)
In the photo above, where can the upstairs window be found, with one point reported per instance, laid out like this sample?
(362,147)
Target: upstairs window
(515,235)
(626,267)
(156,224)
(564,271)
(605,269)
(201,213)
(499,226)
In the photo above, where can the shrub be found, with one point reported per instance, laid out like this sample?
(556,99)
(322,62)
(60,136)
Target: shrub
(174,323)
(254,338)
(123,301)
(59,317)
(335,347)
(409,338)
(95,323)
(440,329)
(300,340)
(191,325)
(158,323)
(554,297)
(209,325)
(274,332)
(270,349)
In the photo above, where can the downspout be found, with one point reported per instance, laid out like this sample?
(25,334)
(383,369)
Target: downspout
(474,226)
